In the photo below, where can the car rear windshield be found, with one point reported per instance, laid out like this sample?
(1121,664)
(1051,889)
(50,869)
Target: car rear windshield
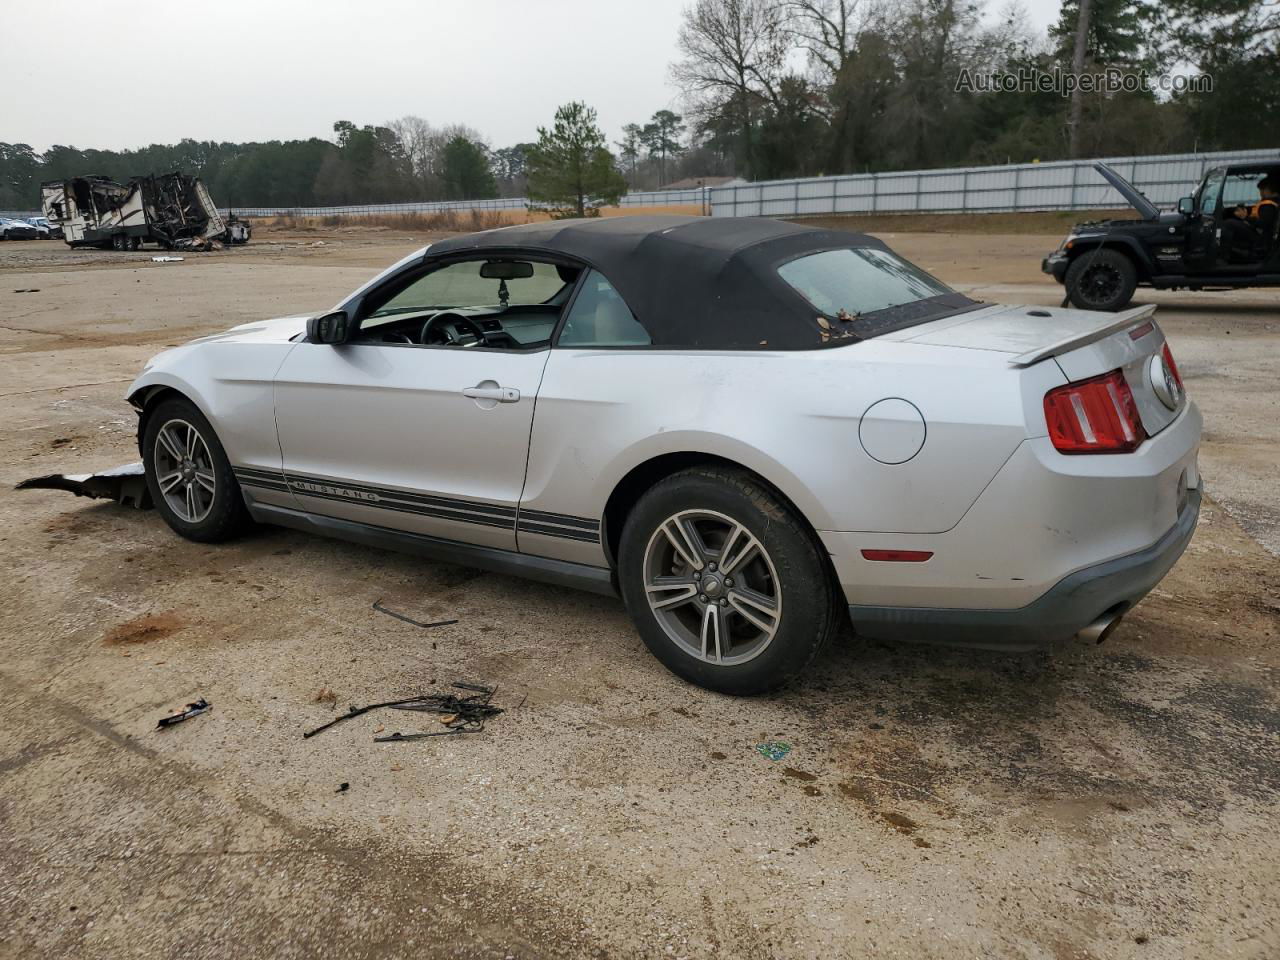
(871,289)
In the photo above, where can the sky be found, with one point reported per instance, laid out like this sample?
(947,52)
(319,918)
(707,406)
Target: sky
(241,70)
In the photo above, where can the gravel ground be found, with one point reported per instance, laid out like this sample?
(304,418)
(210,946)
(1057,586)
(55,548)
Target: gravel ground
(1093,802)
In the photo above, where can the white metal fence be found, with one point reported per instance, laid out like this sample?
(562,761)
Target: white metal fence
(1061,185)
(693,196)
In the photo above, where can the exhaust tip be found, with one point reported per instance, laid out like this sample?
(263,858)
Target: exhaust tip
(1101,628)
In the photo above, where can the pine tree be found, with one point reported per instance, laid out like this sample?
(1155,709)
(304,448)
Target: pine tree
(570,169)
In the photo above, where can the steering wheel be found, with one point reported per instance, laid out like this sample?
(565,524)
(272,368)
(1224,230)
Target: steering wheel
(434,331)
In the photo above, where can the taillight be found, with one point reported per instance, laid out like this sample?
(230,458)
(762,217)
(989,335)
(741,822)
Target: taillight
(1097,415)
(1173,367)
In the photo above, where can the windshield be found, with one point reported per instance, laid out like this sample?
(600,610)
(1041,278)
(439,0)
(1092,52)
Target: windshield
(461,285)
(871,288)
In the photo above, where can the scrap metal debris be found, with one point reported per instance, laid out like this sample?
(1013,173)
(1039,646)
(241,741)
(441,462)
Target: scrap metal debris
(126,485)
(27,290)
(191,710)
(398,736)
(167,259)
(377,605)
(463,714)
(343,787)
(775,749)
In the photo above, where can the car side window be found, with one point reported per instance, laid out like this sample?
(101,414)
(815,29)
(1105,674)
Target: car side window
(1241,190)
(1210,194)
(600,317)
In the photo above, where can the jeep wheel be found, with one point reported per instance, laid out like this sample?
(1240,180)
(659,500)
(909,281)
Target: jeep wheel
(1101,280)
(727,587)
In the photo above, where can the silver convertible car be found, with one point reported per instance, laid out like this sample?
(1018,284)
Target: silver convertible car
(752,431)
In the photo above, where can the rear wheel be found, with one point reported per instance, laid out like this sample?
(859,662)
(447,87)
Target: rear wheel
(1101,280)
(189,476)
(726,585)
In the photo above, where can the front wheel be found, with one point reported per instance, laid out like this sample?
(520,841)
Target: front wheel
(189,476)
(1101,279)
(726,585)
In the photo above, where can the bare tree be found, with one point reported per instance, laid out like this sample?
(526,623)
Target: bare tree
(415,136)
(826,30)
(733,53)
(424,146)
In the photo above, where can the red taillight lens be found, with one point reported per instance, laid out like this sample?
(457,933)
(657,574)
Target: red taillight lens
(1173,367)
(1094,416)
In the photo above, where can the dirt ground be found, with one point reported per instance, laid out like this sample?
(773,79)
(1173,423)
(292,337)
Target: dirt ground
(1114,801)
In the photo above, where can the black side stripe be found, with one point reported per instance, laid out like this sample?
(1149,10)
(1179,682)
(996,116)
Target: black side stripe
(263,484)
(559,519)
(254,472)
(260,478)
(306,486)
(563,533)
(415,509)
(539,522)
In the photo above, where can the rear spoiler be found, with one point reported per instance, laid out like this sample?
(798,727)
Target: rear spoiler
(1117,322)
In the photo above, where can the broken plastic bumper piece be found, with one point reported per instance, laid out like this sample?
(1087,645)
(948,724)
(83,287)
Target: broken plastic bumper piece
(126,485)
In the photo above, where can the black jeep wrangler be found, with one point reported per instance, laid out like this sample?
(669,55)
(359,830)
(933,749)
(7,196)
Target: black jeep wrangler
(1101,263)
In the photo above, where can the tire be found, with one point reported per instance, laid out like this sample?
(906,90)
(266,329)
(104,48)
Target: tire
(1101,280)
(204,518)
(785,566)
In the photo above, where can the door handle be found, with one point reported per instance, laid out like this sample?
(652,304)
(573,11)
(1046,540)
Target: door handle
(484,392)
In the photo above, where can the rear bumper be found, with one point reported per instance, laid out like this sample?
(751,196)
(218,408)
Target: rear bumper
(1056,266)
(1066,608)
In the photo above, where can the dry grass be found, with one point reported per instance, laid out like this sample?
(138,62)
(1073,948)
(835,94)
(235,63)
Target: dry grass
(447,221)
(453,221)
(690,209)
(469,221)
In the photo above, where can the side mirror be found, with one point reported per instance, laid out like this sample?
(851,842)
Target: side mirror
(328,328)
(1187,206)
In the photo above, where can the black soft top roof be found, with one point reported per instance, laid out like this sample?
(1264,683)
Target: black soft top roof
(691,281)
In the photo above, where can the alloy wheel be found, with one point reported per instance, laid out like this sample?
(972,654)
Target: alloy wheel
(712,587)
(184,471)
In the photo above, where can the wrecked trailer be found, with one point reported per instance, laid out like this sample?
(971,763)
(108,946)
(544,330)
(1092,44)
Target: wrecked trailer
(173,210)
